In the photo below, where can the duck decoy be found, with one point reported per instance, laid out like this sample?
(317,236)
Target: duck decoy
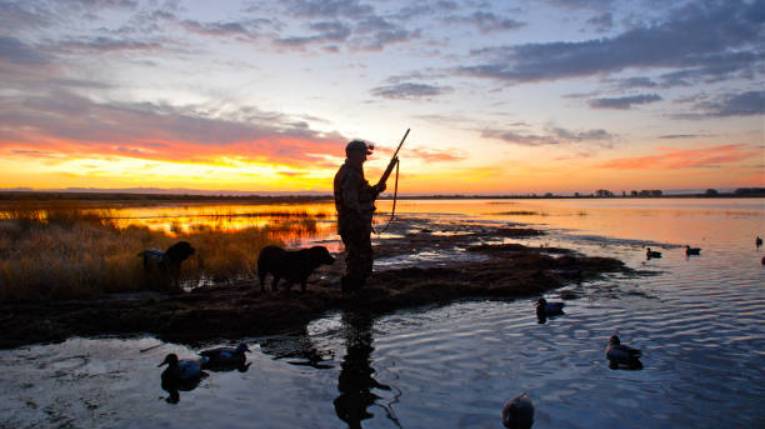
(620,355)
(652,254)
(758,242)
(518,413)
(225,356)
(547,309)
(181,370)
(692,250)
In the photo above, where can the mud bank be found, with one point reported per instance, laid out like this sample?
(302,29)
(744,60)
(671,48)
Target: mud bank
(504,270)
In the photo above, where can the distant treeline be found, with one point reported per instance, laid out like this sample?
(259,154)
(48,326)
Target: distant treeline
(137,197)
(153,197)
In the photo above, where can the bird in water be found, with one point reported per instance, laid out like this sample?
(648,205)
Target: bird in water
(225,356)
(758,242)
(181,370)
(180,374)
(689,251)
(620,355)
(546,309)
(518,413)
(652,254)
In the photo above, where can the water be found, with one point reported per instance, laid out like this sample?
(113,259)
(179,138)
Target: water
(699,320)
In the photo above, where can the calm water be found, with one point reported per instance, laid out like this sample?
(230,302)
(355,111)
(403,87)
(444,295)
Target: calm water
(700,322)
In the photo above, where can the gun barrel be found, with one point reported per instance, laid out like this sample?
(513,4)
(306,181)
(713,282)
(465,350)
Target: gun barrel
(401,144)
(393,160)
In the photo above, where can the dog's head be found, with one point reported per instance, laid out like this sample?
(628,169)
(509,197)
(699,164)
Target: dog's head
(321,255)
(180,251)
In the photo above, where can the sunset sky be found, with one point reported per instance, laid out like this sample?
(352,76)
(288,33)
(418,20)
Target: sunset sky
(502,97)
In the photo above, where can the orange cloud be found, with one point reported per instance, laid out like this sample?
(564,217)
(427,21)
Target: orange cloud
(670,158)
(64,123)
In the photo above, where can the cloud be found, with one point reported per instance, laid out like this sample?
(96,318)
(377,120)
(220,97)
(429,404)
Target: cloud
(670,158)
(749,103)
(582,4)
(328,8)
(636,82)
(100,4)
(553,136)
(743,104)
(623,103)
(374,33)
(426,8)
(486,22)
(714,38)
(64,122)
(602,23)
(102,44)
(16,16)
(326,31)
(14,51)
(682,136)
(218,29)
(410,90)
(431,156)
(348,21)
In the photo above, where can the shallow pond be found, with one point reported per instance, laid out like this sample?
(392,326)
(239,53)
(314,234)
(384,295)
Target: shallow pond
(700,322)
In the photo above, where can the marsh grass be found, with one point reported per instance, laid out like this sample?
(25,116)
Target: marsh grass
(72,252)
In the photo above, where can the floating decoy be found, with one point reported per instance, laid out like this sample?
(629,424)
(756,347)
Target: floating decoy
(758,241)
(225,356)
(547,309)
(518,413)
(652,254)
(619,354)
(692,250)
(181,371)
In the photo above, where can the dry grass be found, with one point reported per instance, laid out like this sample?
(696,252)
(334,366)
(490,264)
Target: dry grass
(71,252)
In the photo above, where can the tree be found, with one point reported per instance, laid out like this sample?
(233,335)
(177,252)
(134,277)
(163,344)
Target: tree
(711,192)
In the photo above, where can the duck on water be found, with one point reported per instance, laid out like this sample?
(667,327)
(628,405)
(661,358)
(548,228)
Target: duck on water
(622,356)
(547,309)
(518,413)
(180,374)
(225,357)
(651,254)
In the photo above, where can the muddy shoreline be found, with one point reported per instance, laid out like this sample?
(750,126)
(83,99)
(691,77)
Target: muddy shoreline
(496,269)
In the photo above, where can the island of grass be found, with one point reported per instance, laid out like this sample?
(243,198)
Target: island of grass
(495,269)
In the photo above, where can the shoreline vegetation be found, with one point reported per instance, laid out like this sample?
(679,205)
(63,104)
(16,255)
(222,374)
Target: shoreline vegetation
(65,271)
(68,251)
(139,198)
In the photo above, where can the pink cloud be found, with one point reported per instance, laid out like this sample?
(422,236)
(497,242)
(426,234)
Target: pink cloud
(670,158)
(64,123)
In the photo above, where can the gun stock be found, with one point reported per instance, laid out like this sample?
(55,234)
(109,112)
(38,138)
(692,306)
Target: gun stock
(393,161)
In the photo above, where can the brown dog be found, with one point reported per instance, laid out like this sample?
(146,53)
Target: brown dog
(295,266)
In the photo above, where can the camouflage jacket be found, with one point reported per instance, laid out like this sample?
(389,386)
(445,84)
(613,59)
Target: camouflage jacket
(354,199)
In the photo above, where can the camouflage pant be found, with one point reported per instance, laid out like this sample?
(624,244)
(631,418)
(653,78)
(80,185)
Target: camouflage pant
(358,255)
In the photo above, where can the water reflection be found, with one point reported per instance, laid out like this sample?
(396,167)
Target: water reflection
(299,349)
(356,380)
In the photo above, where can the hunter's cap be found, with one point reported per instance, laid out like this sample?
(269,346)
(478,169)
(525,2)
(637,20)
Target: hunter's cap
(359,145)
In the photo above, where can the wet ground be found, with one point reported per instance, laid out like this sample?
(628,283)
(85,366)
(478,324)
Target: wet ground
(481,265)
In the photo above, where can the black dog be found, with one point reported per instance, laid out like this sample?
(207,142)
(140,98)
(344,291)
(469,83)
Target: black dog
(295,266)
(167,264)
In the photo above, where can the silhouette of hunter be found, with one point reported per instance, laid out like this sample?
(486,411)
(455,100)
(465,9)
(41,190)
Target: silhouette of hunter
(354,201)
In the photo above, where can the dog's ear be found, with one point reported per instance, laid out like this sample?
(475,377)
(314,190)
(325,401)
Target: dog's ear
(180,251)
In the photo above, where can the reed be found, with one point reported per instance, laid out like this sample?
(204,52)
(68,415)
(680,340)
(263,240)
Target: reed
(73,252)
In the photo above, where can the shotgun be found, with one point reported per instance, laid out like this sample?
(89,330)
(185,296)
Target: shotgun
(393,161)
